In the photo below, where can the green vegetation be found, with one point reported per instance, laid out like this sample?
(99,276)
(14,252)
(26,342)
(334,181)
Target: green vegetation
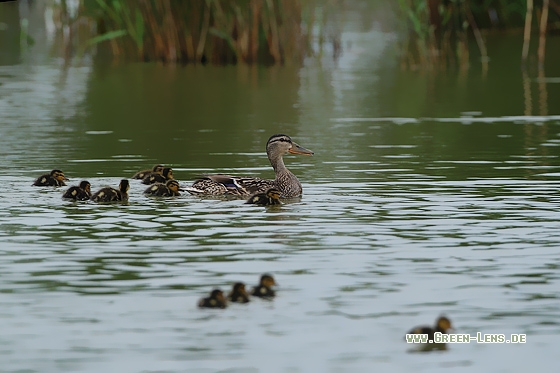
(439,30)
(438,33)
(196,31)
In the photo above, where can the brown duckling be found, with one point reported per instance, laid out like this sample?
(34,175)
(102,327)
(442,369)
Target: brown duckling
(169,189)
(81,192)
(238,293)
(54,178)
(158,169)
(268,198)
(215,300)
(153,177)
(443,324)
(111,194)
(264,288)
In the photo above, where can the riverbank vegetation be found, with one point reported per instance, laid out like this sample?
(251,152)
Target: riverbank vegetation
(198,31)
(434,33)
(438,32)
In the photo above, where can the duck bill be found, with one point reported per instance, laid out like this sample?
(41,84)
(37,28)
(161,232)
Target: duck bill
(296,149)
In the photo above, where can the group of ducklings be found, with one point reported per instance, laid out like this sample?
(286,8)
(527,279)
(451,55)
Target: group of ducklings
(163,184)
(161,181)
(239,294)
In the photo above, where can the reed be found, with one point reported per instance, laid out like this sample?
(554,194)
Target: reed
(201,31)
(439,31)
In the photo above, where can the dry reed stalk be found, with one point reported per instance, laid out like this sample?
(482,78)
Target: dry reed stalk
(527,33)
(171,32)
(273,42)
(476,31)
(203,34)
(256,6)
(542,36)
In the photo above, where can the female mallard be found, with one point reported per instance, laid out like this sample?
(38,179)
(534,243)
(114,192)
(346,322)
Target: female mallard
(215,300)
(81,192)
(111,194)
(286,182)
(154,177)
(269,198)
(158,169)
(264,288)
(54,178)
(238,293)
(169,189)
(443,324)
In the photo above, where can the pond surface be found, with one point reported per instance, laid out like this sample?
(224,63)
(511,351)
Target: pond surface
(428,194)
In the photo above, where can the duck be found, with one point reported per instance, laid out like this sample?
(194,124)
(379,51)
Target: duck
(285,181)
(443,324)
(238,293)
(81,192)
(263,289)
(268,198)
(215,300)
(170,189)
(158,169)
(154,177)
(111,194)
(54,178)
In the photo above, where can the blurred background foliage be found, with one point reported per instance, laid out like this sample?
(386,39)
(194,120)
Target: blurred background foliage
(277,32)
(196,31)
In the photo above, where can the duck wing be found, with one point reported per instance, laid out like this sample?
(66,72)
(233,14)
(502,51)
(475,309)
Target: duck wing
(219,184)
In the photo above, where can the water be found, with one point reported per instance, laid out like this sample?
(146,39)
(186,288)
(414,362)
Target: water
(427,195)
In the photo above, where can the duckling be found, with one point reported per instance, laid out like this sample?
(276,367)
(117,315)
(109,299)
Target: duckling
(263,289)
(81,192)
(238,293)
(158,169)
(54,178)
(111,194)
(215,300)
(268,198)
(153,177)
(443,324)
(169,189)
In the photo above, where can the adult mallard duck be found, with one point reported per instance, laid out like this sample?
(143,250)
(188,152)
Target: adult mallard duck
(158,169)
(263,289)
(54,178)
(169,189)
(81,192)
(238,293)
(286,182)
(111,194)
(268,198)
(154,177)
(215,300)
(443,324)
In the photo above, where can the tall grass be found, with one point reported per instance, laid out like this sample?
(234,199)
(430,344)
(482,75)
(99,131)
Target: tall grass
(439,31)
(200,31)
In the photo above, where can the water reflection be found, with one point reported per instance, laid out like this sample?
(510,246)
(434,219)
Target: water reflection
(414,205)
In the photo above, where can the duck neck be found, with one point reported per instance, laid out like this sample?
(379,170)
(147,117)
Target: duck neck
(285,181)
(278,165)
